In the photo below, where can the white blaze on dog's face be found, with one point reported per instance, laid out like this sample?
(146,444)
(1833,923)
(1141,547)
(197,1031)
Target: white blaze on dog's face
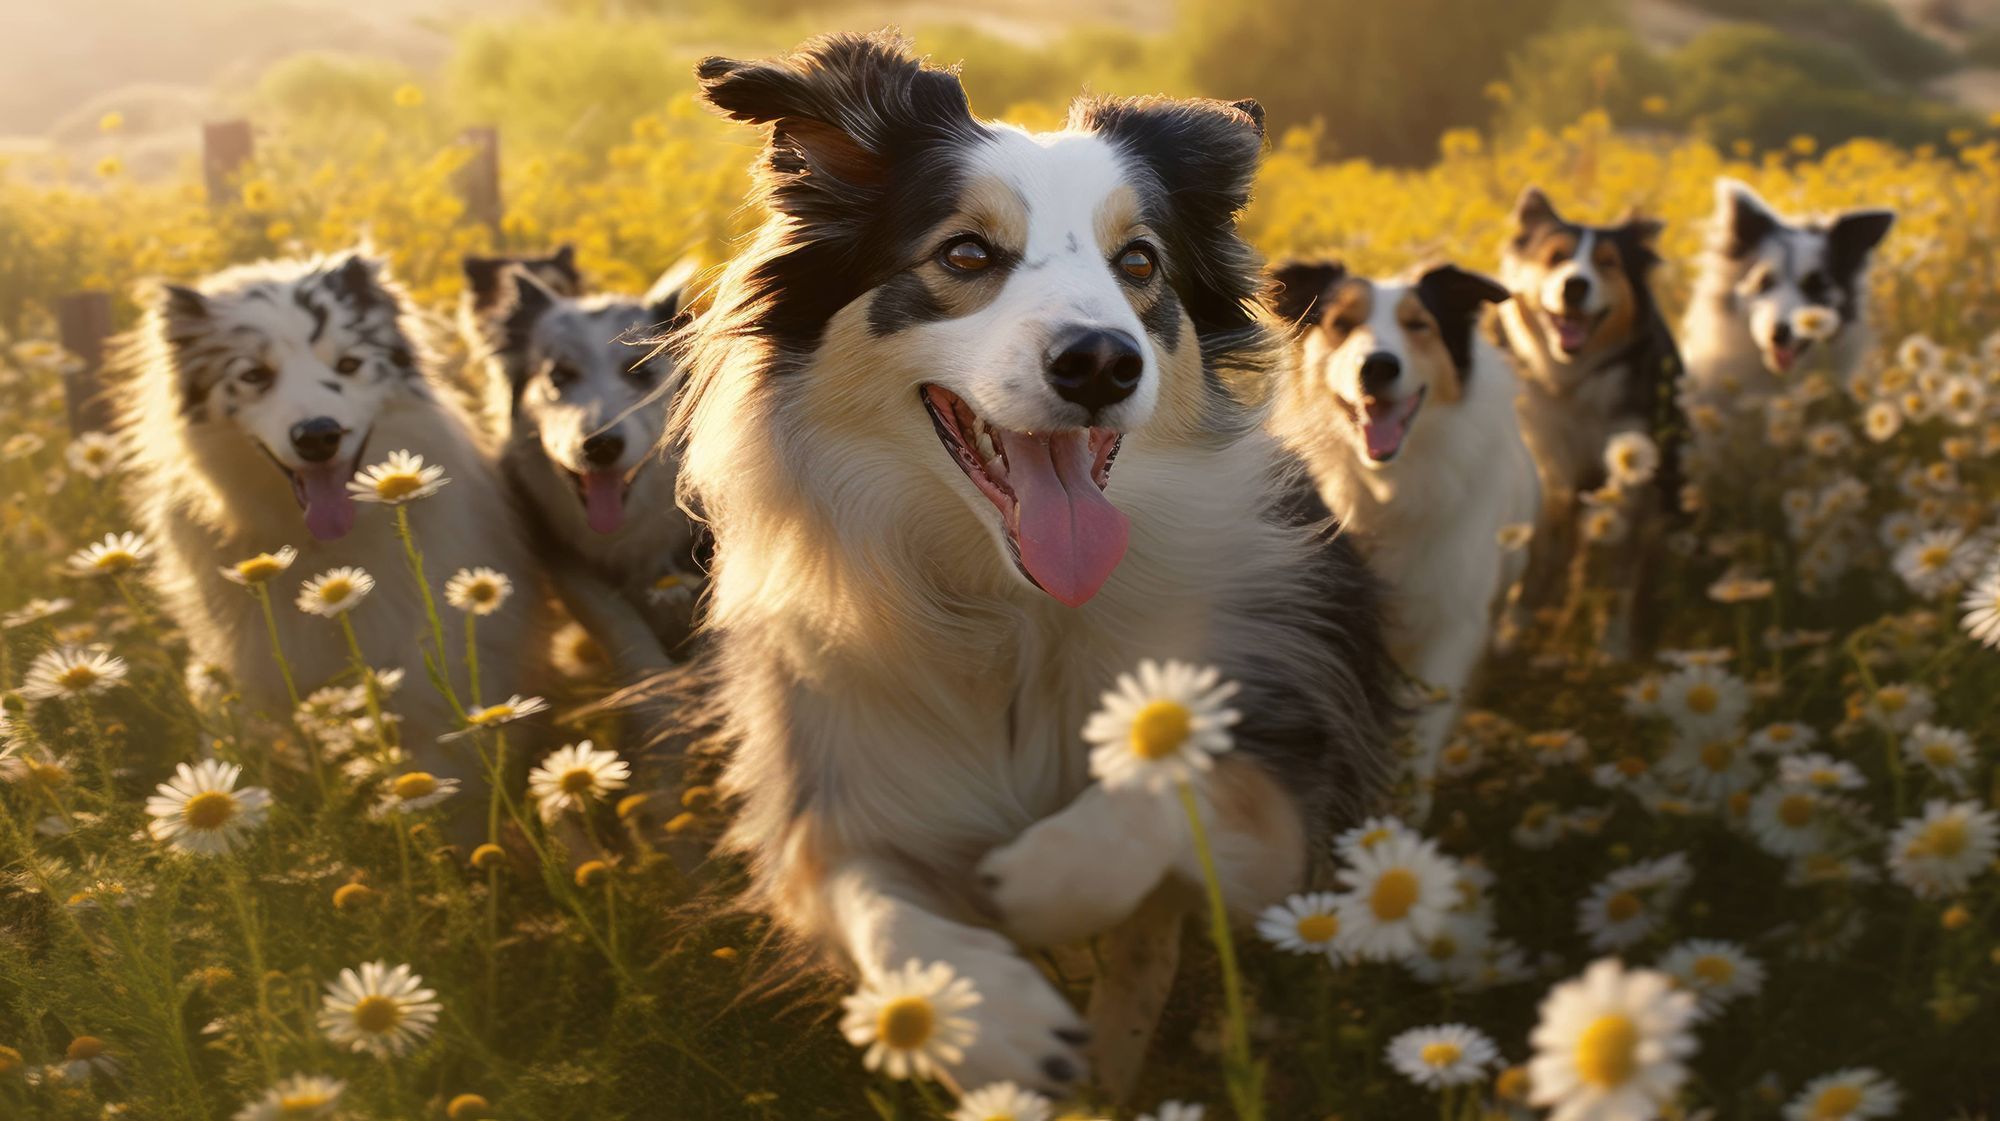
(1582,288)
(302,365)
(1794,286)
(999,309)
(1384,349)
(589,384)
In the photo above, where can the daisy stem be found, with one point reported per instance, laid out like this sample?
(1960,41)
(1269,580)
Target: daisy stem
(442,677)
(386,735)
(1892,759)
(263,595)
(246,917)
(1239,1069)
(472,657)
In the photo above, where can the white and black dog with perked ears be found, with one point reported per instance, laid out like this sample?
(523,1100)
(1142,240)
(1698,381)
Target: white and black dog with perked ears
(901,418)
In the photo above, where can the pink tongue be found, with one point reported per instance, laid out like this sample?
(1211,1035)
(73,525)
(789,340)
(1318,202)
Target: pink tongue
(329,508)
(604,500)
(1784,356)
(1070,535)
(1572,333)
(1384,432)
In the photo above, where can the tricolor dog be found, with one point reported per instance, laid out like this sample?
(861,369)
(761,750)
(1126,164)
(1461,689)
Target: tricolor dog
(968,416)
(1404,412)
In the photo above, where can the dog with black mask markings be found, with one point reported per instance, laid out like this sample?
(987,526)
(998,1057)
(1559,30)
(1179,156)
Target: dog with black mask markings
(1596,359)
(901,420)
(1404,412)
(579,391)
(1773,294)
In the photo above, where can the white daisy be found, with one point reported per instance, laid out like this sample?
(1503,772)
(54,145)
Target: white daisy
(1939,853)
(1816,323)
(1936,563)
(1898,707)
(298,1098)
(1160,726)
(1704,700)
(478,591)
(573,776)
(1446,1055)
(1854,1094)
(116,555)
(1002,1101)
(1881,420)
(1782,738)
(335,592)
(401,478)
(94,455)
(413,791)
(1710,768)
(381,1011)
(1628,905)
(1304,924)
(514,708)
(1176,1111)
(1788,821)
(1630,459)
(34,611)
(1397,894)
(201,811)
(1459,954)
(1611,1045)
(1371,832)
(71,671)
(1982,609)
(1946,753)
(1820,771)
(260,568)
(1716,972)
(909,1019)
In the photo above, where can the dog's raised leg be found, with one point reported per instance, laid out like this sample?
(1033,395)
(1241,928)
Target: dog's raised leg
(1137,960)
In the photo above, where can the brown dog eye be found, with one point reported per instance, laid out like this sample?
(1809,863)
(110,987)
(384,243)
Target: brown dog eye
(257,377)
(1137,262)
(347,364)
(966,254)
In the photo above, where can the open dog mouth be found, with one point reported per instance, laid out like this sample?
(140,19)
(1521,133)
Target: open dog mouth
(1384,424)
(1785,356)
(1066,536)
(1574,328)
(603,495)
(321,492)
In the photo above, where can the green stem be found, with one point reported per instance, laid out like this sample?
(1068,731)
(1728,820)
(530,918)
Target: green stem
(369,689)
(415,557)
(472,657)
(263,594)
(252,943)
(1239,1069)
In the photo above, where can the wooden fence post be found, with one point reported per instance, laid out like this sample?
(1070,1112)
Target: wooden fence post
(225,147)
(479,176)
(83,320)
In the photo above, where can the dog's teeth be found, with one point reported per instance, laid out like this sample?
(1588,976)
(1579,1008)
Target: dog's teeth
(986,452)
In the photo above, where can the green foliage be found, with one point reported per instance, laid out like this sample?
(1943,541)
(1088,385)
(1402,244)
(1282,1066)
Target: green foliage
(1559,76)
(1867,26)
(1385,78)
(577,83)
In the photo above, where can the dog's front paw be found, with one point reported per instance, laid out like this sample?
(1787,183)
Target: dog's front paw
(1028,1034)
(1083,870)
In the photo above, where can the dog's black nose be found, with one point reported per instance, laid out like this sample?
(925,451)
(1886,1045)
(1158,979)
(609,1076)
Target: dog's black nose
(1379,371)
(317,440)
(1576,290)
(1781,335)
(1095,368)
(603,449)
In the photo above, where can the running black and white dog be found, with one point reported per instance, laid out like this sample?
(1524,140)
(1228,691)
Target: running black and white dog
(1404,412)
(579,393)
(1773,293)
(901,419)
(1596,359)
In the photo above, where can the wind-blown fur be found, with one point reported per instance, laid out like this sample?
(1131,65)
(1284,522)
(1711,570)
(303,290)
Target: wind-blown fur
(1429,517)
(1763,279)
(579,394)
(217,377)
(900,702)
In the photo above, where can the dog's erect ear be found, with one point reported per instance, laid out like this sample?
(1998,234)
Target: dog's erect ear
(482,280)
(1744,218)
(359,279)
(1638,239)
(1299,287)
(1532,211)
(182,305)
(1641,229)
(523,301)
(563,263)
(1852,238)
(849,107)
(1456,297)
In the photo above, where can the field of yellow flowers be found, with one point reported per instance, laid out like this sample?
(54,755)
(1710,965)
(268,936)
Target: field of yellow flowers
(1753,879)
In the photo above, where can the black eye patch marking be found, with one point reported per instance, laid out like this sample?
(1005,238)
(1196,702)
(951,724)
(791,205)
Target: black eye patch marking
(904,301)
(1163,320)
(335,386)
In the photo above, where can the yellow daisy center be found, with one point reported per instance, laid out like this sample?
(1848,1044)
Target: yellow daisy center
(1395,893)
(1702,698)
(1159,730)
(1631,766)
(482,591)
(1934,557)
(1373,837)
(1623,907)
(1796,810)
(577,780)
(1891,700)
(77,677)
(336,590)
(398,485)
(209,810)
(1317,928)
(1440,1054)
(305,1103)
(905,1023)
(114,560)
(1939,754)
(1457,753)
(1779,733)
(84,1048)
(1717,756)
(377,1014)
(667,582)
(1836,1101)
(1607,1053)
(1944,839)
(48,774)
(493,714)
(259,568)
(416,784)
(1713,969)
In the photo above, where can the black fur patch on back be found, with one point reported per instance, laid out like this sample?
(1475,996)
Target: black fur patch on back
(1456,299)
